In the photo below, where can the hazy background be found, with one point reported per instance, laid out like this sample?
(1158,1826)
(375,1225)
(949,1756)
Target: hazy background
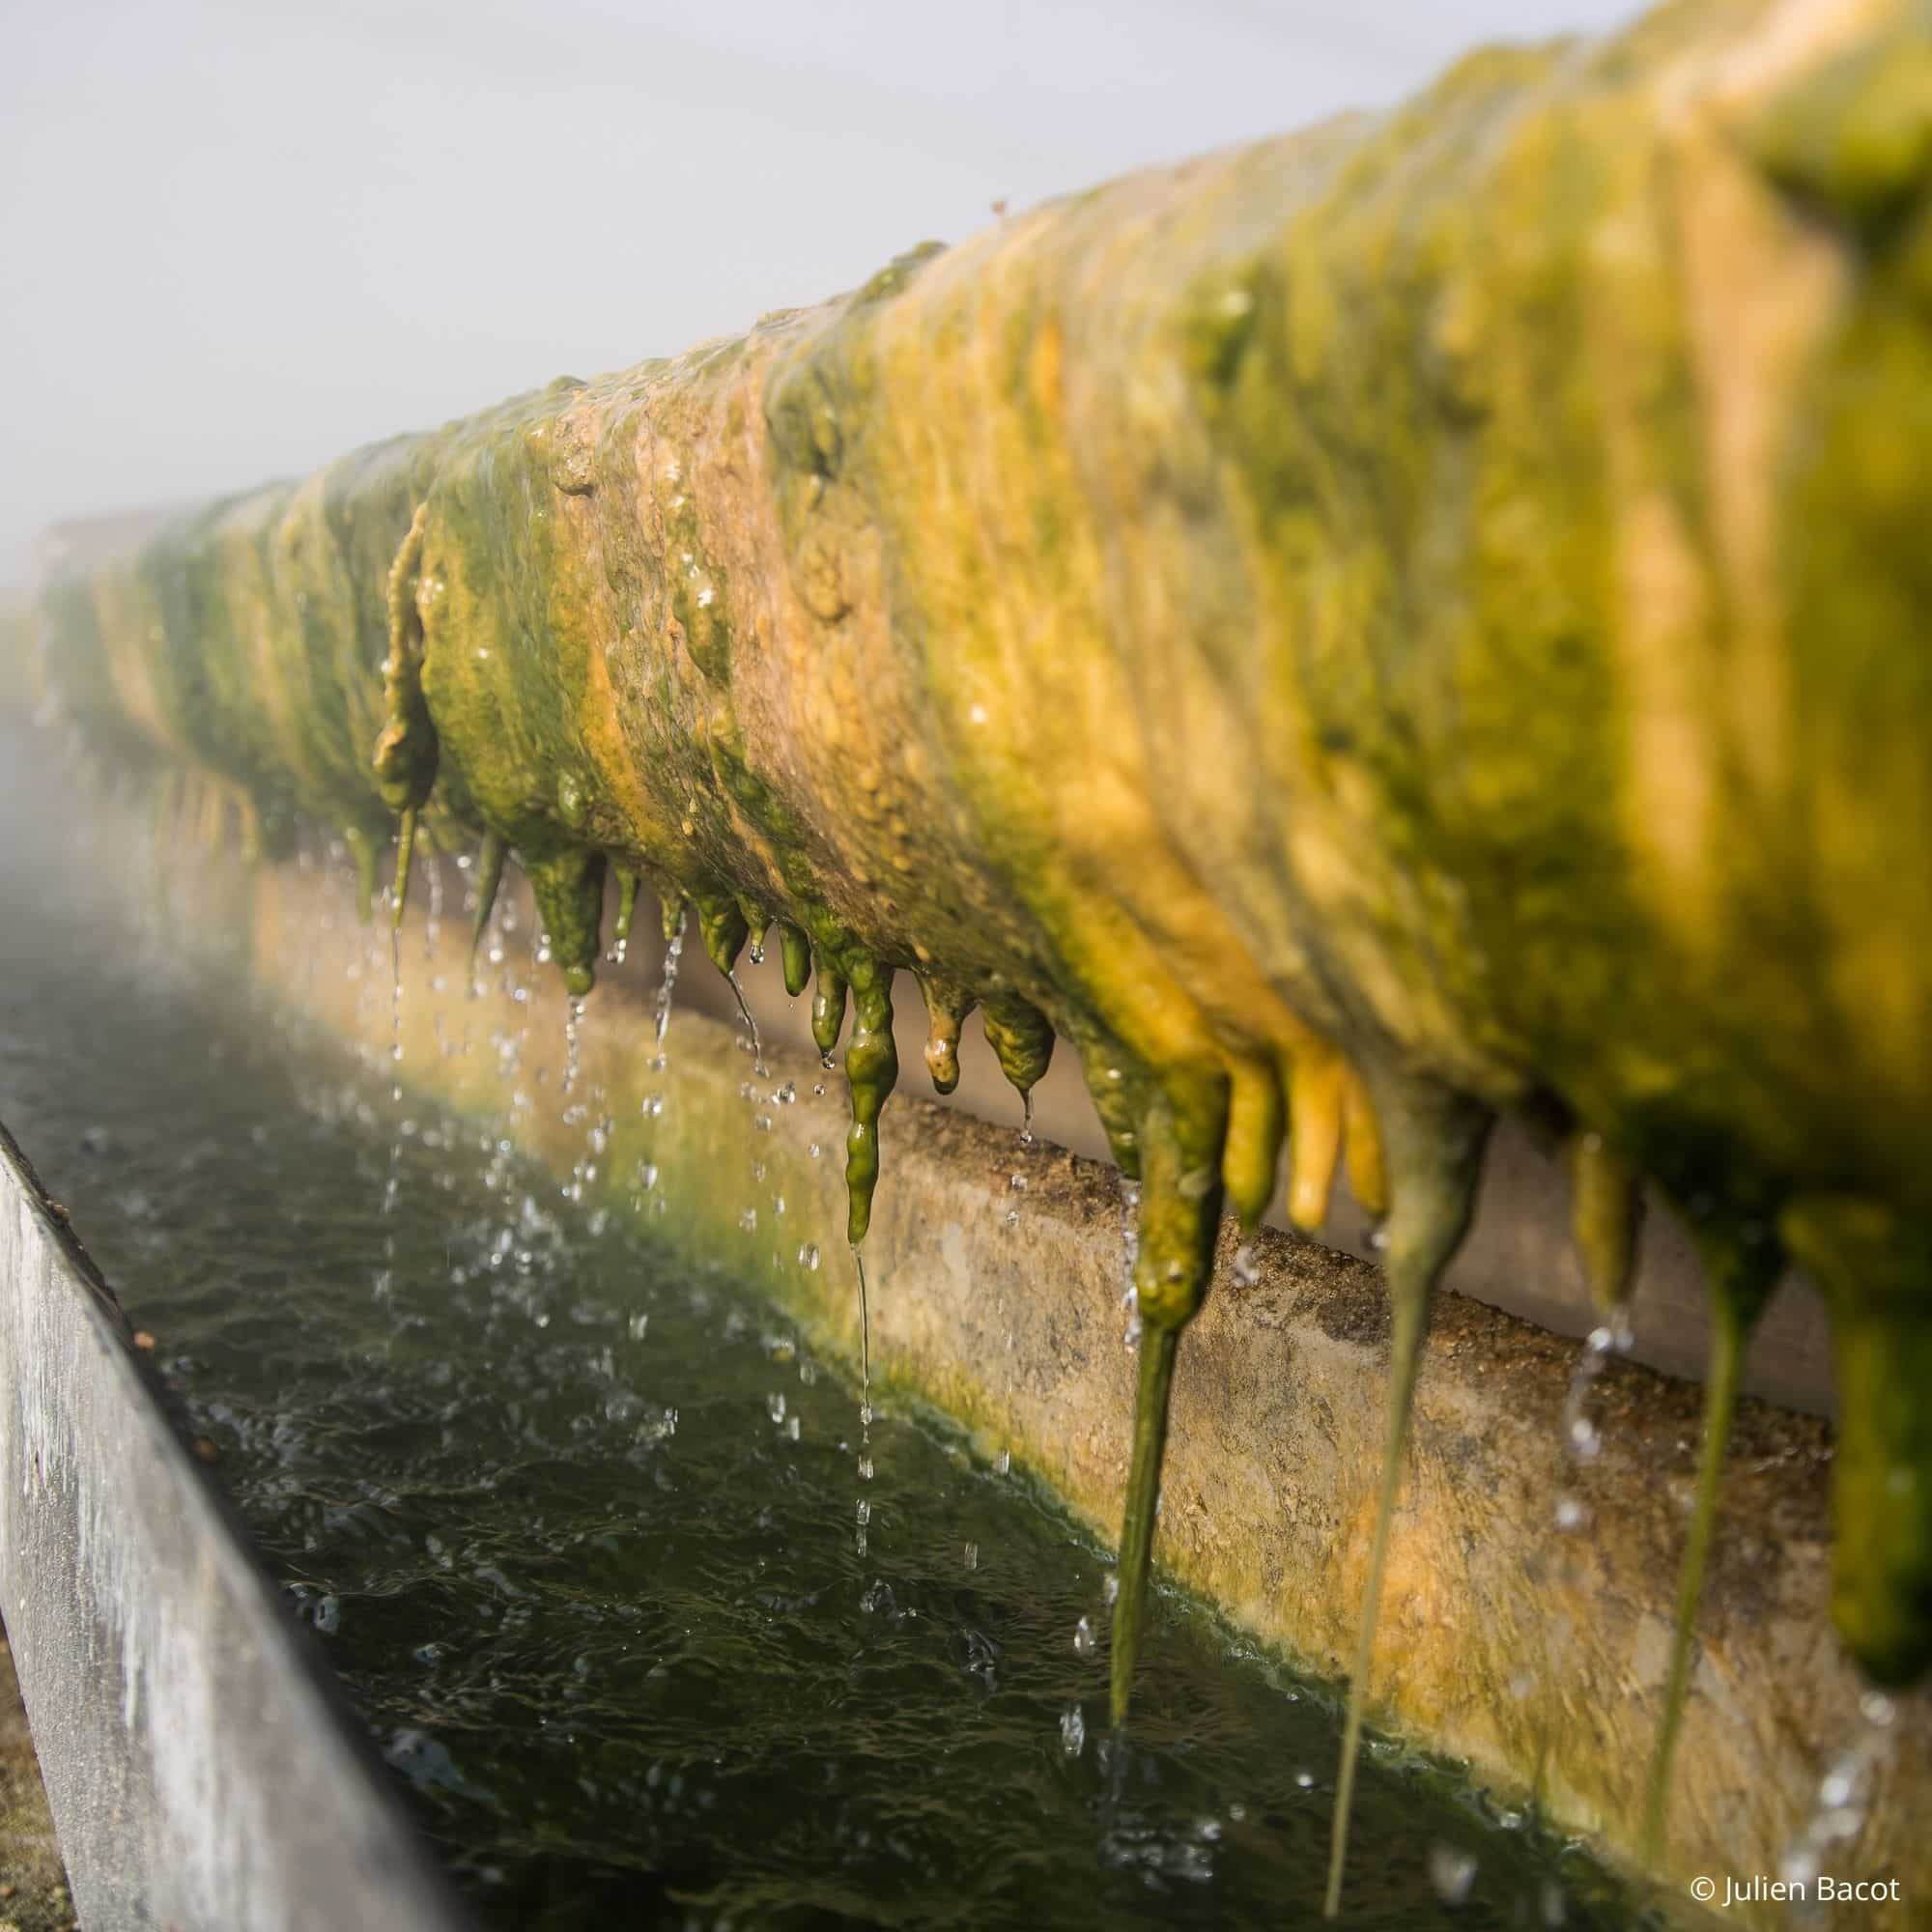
(237,239)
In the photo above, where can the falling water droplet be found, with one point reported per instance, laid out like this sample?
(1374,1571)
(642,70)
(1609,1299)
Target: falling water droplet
(1083,1637)
(750,1025)
(668,986)
(1844,1799)
(1582,1436)
(392,1181)
(1452,1871)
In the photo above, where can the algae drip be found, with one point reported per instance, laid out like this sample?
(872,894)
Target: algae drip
(572,1521)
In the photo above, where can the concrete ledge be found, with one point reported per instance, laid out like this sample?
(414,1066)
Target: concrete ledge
(199,1772)
(1535,1656)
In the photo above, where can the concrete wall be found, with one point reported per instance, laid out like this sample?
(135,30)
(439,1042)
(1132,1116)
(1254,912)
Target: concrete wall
(1519,1255)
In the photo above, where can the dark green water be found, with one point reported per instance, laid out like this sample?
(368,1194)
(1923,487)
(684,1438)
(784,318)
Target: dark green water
(577,1530)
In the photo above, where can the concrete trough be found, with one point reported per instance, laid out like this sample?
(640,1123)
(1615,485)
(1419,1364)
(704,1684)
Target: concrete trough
(202,1771)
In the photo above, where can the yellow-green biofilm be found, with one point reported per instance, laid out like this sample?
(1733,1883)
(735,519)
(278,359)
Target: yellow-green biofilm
(1434,1147)
(487,879)
(1359,633)
(628,885)
(1743,1267)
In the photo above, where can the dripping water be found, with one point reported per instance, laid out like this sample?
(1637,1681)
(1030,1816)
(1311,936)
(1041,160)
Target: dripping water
(1026,1118)
(392,1180)
(1583,1434)
(653,1103)
(395,1016)
(1582,1438)
(864,1509)
(433,925)
(668,984)
(1843,1800)
(758,1066)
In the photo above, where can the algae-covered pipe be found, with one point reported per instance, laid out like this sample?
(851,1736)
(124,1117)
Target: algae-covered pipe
(1433,605)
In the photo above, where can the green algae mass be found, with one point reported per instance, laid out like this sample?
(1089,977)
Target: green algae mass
(1357,633)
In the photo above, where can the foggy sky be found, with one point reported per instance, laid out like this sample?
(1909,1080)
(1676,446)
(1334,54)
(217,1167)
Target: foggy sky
(237,239)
